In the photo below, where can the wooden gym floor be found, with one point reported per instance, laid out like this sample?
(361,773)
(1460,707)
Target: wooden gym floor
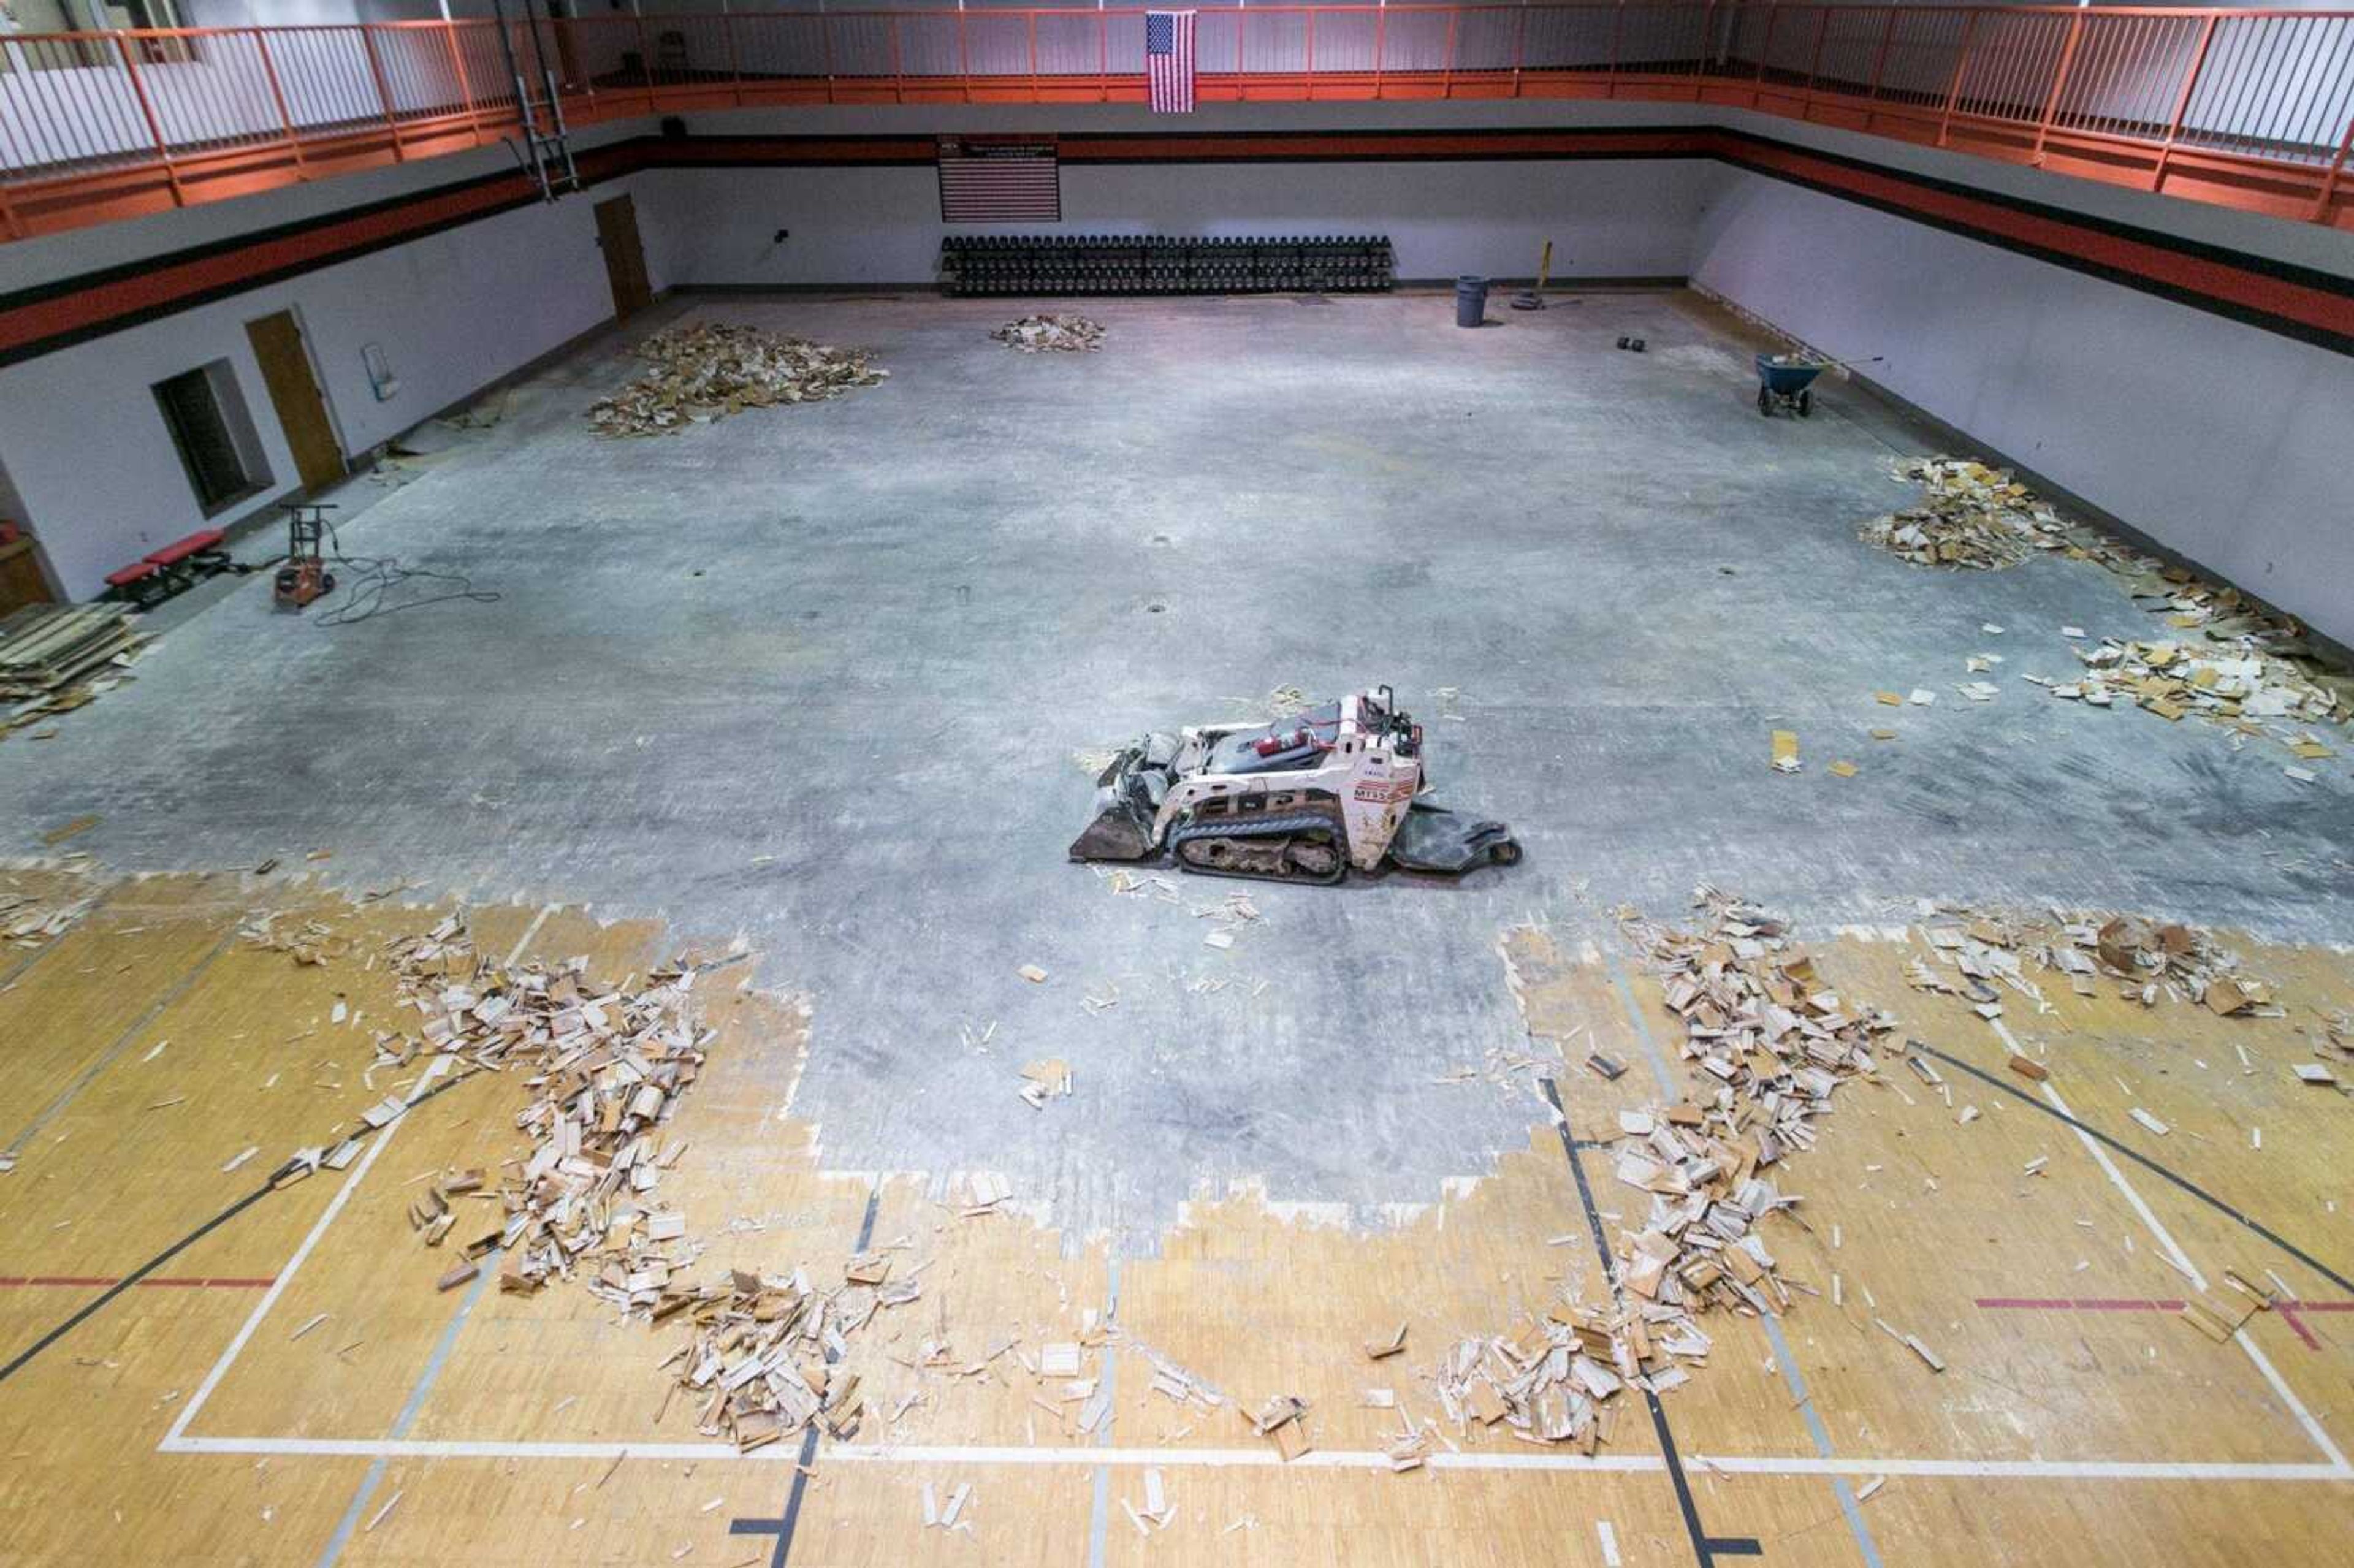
(202,1415)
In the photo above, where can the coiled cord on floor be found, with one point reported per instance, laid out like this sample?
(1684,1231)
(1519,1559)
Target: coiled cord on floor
(369,582)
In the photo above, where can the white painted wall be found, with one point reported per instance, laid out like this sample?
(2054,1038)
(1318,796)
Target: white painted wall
(2224,442)
(86,448)
(883,225)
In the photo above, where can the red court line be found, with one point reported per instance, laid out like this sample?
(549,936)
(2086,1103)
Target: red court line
(2291,1312)
(2078,1304)
(100,1282)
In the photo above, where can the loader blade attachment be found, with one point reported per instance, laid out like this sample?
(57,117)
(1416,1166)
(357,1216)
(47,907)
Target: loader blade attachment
(1433,838)
(1127,799)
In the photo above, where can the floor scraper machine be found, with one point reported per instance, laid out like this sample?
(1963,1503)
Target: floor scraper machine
(1301,799)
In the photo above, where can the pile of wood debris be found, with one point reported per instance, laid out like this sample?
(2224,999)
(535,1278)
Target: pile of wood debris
(706,371)
(1772,1043)
(2238,683)
(762,1358)
(1557,1380)
(2225,659)
(31,920)
(1971,515)
(2146,960)
(1052,335)
(606,1066)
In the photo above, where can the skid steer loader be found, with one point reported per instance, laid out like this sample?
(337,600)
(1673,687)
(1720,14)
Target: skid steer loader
(1301,799)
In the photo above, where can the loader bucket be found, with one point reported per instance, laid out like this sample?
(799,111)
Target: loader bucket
(1128,798)
(1433,838)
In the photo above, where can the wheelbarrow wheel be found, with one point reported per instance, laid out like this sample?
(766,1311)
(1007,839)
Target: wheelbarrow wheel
(1806,404)
(1765,402)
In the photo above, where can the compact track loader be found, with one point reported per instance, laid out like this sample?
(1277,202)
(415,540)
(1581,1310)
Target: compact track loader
(1301,799)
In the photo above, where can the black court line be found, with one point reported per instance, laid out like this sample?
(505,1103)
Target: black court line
(1706,1548)
(2152,1166)
(26,1357)
(784,1525)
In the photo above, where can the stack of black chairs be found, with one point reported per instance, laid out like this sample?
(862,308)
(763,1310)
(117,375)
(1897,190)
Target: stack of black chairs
(1131,264)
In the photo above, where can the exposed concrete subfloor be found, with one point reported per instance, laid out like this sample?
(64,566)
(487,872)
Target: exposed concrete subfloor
(817,676)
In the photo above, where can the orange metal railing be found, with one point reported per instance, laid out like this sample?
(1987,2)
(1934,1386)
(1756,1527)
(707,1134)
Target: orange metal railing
(2250,107)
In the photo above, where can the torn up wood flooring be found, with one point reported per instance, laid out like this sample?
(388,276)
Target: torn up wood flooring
(154,1046)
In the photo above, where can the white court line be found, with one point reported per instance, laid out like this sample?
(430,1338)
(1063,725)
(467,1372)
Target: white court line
(286,1275)
(1609,1539)
(1263,1458)
(528,933)
(2296,1406)
(2313,1428)
(2101,1157)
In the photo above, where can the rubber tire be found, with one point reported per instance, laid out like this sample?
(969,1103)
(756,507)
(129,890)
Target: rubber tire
(1806,405)
(1764,403)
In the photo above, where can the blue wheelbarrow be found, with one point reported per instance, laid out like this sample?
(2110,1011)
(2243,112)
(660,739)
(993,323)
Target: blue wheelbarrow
(1784,380)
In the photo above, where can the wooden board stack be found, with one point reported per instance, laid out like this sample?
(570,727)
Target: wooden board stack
(45,649)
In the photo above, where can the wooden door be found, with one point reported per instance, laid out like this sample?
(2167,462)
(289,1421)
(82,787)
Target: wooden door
(625,258)
(294,392)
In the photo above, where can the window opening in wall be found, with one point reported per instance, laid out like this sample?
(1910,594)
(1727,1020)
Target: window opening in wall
(206,416)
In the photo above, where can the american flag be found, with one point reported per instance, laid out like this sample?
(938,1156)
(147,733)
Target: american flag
(1169,61)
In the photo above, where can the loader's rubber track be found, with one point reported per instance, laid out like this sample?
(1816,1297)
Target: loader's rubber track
(1190,843)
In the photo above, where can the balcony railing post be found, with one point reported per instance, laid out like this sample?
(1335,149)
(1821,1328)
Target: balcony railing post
(1815,61)
(2059,85)
(1446,65)
(277,94)
(1879,60)
(1381,44)
(155,126)
(734,56)
(1103,57)
(1520,48)
(825,52)
(2182,103)
(1033,56)
(1954,88)
(2336,169)
(458,66)
(1311,54)
(1617,26)
(1766,49)
(964,57)
(1242,23)
(645,59)
(383,92)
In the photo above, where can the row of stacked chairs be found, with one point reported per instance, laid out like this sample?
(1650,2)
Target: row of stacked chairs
(1133,264)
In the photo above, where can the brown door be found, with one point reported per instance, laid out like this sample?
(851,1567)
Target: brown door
(294,392)
(625,258)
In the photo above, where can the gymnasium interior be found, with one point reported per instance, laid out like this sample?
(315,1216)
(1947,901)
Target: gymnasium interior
(842,783)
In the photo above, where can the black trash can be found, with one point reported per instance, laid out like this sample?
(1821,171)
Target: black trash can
(1470,301)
